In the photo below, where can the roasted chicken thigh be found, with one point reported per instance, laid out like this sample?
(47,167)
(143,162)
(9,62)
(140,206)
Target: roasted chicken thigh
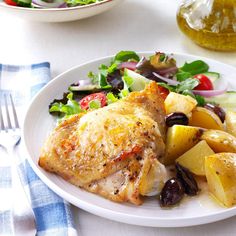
(112,151)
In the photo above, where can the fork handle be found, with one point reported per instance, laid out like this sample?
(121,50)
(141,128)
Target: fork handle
(23,215)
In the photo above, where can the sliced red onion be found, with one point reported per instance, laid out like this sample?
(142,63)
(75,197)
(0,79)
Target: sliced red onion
(210,93)
(223,86)
(131,65)
(220,86)
(54,4)
(171,70)
(63,5)
(168,81)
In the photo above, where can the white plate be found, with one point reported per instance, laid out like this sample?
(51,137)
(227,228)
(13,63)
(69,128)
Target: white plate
(59,14)
(38,124)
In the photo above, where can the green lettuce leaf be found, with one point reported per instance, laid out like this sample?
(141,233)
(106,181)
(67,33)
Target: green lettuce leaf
(70,108)
(124,56)
(94,104)
(111,98)
(73,3)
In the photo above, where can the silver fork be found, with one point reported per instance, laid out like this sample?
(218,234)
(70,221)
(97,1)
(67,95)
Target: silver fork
(23,216)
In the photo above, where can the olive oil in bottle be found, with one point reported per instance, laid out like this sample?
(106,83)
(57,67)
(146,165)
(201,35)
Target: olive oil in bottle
(209,23)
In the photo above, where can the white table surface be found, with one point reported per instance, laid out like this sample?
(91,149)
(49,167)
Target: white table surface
(140,25)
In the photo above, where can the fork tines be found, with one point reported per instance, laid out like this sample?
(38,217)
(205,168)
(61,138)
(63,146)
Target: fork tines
(10,111)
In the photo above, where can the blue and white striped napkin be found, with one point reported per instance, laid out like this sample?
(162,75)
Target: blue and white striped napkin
(52,213)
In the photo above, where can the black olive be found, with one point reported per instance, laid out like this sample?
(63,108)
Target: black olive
(176,118)
(172,192)
(217,110)
(187,180)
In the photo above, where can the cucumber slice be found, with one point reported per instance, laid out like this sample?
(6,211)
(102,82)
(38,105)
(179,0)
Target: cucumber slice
(134,81)
(226,100)
(213,76)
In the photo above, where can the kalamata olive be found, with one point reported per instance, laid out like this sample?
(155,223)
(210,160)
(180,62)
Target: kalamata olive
(172,192)
(176,118)
(187,180)
(217,110)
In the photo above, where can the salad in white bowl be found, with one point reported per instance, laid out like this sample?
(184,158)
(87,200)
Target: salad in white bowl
(50,3)
(55,10)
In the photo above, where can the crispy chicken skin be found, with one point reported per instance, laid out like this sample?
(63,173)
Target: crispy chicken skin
(112,151)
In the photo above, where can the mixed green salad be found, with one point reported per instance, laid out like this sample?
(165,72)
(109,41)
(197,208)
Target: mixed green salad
(129,72)
(50,3)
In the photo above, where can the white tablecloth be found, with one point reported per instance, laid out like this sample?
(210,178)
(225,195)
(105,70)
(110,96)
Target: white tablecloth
(140,25)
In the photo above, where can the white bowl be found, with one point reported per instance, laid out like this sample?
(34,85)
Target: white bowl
(38,124)
(59,14)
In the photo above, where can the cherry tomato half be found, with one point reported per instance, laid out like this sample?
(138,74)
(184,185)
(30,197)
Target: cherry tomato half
(10,2)
(204,82)
(163,92)
(101,97)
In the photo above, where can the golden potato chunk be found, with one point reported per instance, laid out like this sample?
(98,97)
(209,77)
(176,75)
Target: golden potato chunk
(180,138)
(220,141)
(221,177)
(230,121)
(175,102)
(205,118)
(194,159)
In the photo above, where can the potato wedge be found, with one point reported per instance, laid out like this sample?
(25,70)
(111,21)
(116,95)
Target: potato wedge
(180,138)
(230,121)
(175,102)
(194,159)
(205,118)
(221,177)
(220,141)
